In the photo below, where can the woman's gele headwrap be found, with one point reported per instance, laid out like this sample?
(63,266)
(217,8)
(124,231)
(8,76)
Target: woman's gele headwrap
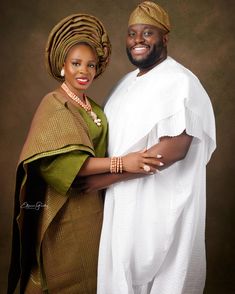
(74,29)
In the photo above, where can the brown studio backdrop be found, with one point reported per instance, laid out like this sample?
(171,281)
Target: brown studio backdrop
(201,39)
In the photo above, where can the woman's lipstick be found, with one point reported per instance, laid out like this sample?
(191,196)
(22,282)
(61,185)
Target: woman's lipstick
(83,81)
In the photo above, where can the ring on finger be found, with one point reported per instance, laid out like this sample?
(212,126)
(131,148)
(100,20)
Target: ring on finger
(146,168)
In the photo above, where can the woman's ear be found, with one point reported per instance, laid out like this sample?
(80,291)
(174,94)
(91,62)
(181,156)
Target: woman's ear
(62,72)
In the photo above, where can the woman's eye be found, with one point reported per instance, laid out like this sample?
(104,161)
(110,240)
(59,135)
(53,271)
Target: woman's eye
(75,63)
(92,65)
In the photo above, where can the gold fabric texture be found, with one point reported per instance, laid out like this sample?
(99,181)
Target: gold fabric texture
(59,241)
(150,13)
(72,30)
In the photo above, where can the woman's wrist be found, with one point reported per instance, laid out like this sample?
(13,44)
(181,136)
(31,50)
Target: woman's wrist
(116,165)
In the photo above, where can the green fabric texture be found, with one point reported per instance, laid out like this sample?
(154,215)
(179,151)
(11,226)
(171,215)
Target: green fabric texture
(98,134)
(60,172)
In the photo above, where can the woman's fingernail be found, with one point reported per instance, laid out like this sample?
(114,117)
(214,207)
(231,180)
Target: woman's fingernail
(161,164)
(159,156)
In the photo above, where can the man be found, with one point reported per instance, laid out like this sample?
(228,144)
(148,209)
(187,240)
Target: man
(153,232)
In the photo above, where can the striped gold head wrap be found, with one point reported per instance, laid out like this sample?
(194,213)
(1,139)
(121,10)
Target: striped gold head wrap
(150,13)
(70,31)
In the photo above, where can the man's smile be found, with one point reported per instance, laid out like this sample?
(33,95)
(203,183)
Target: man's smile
(139,49)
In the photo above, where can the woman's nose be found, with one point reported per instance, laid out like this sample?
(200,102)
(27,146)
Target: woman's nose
(83,69)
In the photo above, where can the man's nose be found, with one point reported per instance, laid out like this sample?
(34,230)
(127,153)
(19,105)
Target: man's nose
(139,38)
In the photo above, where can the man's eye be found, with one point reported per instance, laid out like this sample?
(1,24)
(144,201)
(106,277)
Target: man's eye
(147,34)
(131,34)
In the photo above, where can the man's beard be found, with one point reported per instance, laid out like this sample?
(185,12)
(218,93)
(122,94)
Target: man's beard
(150,59)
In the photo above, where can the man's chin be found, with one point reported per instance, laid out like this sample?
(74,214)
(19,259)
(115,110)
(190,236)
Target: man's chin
(140,62)
(139,59)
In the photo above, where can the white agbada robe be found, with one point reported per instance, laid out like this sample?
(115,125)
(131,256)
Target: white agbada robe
(152,239)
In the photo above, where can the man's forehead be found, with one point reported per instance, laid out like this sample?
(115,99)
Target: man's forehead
(141,27)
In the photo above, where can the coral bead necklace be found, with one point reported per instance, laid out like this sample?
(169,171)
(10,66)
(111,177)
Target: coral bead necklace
(86,106)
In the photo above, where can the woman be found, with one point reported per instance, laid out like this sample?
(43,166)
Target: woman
(57,227)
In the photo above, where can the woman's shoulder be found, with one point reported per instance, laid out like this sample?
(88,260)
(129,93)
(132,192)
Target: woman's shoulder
(55,96)
(53,100)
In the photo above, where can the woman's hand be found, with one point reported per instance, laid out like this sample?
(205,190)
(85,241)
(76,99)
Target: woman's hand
(141,162)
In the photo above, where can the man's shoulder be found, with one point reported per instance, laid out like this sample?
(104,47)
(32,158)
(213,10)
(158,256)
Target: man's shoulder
(124,79)
(177,69)
(128,75)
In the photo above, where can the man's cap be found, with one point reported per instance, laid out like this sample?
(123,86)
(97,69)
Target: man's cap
(150,13)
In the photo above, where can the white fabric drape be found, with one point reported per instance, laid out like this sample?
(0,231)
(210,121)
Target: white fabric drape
(153,232)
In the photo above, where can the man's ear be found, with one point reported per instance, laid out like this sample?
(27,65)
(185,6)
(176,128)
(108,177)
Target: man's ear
(165,39)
